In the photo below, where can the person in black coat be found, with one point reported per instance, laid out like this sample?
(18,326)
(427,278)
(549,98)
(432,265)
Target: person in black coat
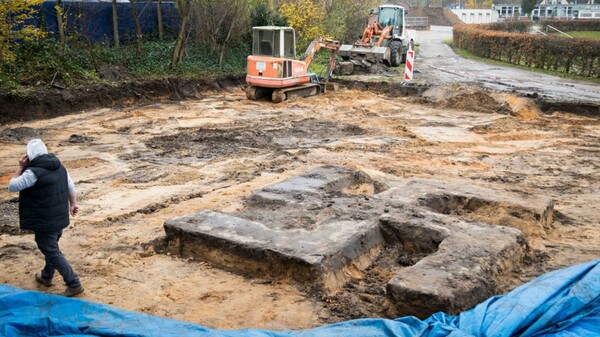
(46,197)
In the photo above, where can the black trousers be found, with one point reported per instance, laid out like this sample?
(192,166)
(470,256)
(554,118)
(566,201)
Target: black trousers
(47,242)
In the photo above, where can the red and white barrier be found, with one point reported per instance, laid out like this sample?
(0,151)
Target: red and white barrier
(410,62)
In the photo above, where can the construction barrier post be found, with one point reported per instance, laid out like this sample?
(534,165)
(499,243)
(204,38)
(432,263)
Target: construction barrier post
(410,62)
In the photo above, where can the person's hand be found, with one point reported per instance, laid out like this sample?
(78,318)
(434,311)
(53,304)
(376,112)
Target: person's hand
(74,209)
(23,161)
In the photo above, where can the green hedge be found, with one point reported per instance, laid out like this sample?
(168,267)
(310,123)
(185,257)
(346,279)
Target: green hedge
(570,56)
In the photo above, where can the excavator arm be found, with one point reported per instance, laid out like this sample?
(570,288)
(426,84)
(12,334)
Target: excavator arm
(313,49)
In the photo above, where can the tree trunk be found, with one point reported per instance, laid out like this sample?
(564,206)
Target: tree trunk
(60,23)
(160,20)
(138,28)
(178,51)
(226,43)
(115,22)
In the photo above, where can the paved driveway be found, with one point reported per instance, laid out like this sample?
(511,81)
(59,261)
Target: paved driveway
(440,65)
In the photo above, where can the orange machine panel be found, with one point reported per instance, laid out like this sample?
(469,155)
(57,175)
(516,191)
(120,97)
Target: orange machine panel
(272,72)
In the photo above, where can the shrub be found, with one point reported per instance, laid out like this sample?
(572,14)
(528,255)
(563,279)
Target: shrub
(573,25)
(497,42)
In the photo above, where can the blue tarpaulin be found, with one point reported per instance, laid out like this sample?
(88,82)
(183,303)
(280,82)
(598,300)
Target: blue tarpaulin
(561,303)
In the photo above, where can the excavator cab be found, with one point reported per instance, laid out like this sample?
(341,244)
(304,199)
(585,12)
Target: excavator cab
(392,16)
(274,41)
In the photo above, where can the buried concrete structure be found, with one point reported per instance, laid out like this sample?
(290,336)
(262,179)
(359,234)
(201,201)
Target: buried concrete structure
(318,227)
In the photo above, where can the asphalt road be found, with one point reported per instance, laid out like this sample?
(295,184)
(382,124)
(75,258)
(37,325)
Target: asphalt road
(438,64)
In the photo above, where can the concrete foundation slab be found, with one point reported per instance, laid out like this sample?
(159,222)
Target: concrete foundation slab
(319,227)
(299,228)
(461,269)
(455,198)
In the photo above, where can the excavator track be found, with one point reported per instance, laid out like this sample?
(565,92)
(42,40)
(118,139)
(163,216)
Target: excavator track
(304,90)
(254,93)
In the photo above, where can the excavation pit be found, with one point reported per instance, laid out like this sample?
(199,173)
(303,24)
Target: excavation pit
(125,197)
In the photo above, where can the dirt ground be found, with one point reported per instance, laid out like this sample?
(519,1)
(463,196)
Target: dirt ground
(136,167)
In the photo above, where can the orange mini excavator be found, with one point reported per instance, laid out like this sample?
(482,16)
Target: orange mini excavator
(273,70)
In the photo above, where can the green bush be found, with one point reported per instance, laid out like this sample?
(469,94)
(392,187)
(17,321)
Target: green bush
(41,62)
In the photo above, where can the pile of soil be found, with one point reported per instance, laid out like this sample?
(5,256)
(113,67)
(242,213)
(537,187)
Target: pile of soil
(450,16)
(523,108)
(474,100)
(437,16)
(75,138)
(466,99)
(500,125)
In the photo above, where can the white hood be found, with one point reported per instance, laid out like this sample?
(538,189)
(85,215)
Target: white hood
(36,148)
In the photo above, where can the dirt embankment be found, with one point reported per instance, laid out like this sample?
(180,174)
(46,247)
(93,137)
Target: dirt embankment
(437,16)
(52,102)
(41,103)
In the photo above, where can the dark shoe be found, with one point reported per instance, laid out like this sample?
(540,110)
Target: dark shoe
(41,280)
(70,292)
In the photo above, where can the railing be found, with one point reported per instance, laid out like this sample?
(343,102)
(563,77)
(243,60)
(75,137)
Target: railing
(537,31)
(563,33)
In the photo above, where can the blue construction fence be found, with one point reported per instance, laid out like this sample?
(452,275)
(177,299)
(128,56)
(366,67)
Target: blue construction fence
(93,19)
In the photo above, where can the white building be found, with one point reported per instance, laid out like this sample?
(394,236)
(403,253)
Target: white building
(555,9)
(562,9)
(507,10)
(471,16)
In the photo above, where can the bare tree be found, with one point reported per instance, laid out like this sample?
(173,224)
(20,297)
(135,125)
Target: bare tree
(183,6)
(137,26)
(238,12)
(160,20)
(60,22)
(115,22)
(218,23)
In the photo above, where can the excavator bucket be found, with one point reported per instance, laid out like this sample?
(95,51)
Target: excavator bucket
(359,57)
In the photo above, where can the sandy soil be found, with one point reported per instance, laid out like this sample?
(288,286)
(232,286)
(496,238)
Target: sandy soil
(134,168)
